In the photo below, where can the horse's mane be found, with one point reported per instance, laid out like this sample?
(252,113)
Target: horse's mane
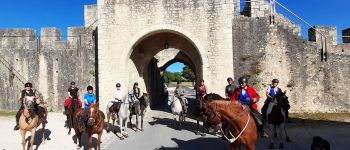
(213,96)
(222,104)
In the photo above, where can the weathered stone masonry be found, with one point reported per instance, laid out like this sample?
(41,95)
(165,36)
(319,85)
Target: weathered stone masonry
(212,36)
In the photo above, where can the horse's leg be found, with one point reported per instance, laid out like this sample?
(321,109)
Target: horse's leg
(79,139)
(43,133)
(125,134)
(23,134)
(137,122)
(108,116)
(69,123)
(120,120)
(281,135)
(142,122)
(130,117)
(90,141)
(32,131)
(99,140)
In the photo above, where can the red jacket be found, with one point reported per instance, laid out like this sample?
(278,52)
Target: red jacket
(251,92)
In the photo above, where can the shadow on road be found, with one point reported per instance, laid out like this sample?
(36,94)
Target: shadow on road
(200,143)
(84,141)
(38,137)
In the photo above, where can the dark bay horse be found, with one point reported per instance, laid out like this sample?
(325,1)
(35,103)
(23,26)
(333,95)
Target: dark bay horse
(199,107)
(94,124)
(138,108)
(74,106)
(276,118)
(241,128)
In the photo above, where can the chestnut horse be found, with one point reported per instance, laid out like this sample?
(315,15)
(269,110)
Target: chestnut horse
(30,120)
(94,124)
(241,128)
(138,108)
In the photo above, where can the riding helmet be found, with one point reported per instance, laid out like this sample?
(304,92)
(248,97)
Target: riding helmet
(90,88)
(229,79)
(72,83)
(242,80)
(28,84)
(136,83)
(201,80)
(118,85)
(275,81)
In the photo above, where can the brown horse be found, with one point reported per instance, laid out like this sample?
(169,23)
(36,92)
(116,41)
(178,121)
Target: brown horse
(74,106)
(241,128)
(138,108)
(29,121)
(94,124)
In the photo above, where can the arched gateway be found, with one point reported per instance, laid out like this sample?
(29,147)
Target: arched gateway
(132,33)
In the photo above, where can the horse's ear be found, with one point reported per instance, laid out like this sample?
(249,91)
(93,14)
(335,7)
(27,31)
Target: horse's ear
(285,92)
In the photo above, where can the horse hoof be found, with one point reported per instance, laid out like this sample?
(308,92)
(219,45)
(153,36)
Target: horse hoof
(288,139)
(271,146)
(122,138)
(197,133)
(141,130)
(203,134)
(281,146)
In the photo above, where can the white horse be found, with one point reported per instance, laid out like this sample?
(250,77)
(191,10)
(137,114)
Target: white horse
(176,109)
(123,114)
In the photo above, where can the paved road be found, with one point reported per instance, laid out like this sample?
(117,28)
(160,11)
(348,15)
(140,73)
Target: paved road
(161,133)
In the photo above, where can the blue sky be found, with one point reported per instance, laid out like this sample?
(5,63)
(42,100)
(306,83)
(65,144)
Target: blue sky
(65,13)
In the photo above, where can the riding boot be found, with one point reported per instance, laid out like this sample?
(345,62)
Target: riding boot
(66,112)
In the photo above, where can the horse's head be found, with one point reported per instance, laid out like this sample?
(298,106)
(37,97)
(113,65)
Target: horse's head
(29,102)
(145,99)
(75,104)
(93,114)
(282,100)
(209,114)
(131,98)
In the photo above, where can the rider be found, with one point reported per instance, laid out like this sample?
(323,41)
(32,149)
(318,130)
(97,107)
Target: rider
(230,88)
(118,97)
(73,93)
(136,90)
(270,93)
(202,89)
(29,91)
(180,93)
(89,99)
(247,95)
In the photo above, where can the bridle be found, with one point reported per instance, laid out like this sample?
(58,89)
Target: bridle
(216,117)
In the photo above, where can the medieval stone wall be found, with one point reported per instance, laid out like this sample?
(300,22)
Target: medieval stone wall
(47,61)
(263,52)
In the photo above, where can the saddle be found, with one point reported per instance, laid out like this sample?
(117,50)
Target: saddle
(257,117)
(114,109)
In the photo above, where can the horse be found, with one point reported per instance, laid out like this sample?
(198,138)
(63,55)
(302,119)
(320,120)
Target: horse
(241,128)
(138,108)
(176,109)
(29,121)
(94,124)
(73,107)
(276,118)
(123,113)
(199,104)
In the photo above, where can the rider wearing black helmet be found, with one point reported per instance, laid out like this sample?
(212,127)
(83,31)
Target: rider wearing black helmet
(270,93)
(28,91)
(247,95)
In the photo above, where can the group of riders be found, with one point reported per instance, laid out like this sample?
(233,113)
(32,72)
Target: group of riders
(73,94)
(244,94)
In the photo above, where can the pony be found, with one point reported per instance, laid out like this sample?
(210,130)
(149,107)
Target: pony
(93,125)
(138,108)
(276,118)
(29,121)
(73,107)
(241,128)
(176,109)
(199,105)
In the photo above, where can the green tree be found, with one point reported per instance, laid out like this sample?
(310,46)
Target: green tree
(188,74)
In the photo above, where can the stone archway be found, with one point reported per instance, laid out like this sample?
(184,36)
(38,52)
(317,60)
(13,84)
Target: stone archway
(153,48)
